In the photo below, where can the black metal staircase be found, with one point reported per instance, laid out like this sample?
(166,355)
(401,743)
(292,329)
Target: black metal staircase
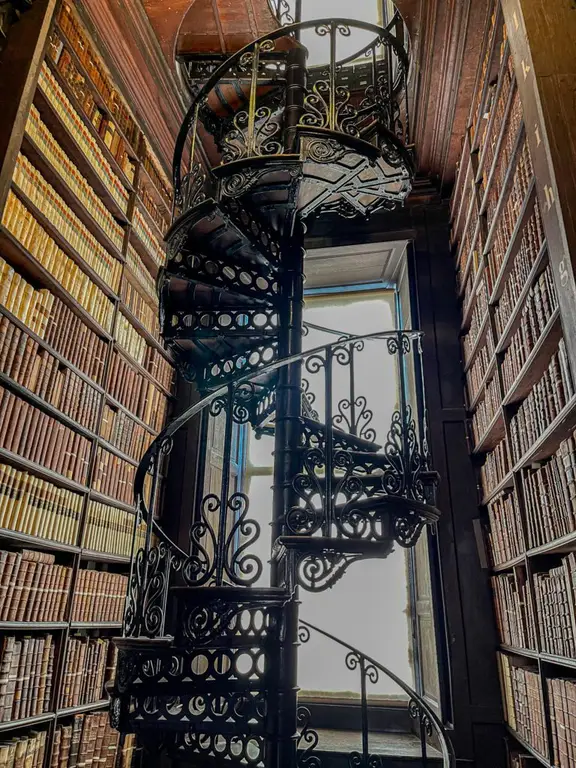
(207,668)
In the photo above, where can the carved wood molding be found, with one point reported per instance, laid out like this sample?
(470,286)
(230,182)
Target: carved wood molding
(446,43)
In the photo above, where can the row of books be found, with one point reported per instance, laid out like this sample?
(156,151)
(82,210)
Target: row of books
(506,149)
(113,476)
(26,751)
(22,300)
(555,592)
(465,244)
(480,297)
(28,364)
(89,742)
(158,177)
(505,158)
(89,663)
(138,272)
(530,245)
(477,371)
(80,86)
(543,404)
(31,182)
(158,213)
(76,37)
(472,248)
(68,335)
(109,529)
(82,136)
(135,392)
(157,365)
(486,410)
(151,242)
(495,468)
(509,214)
(20,222)
(477,113)
(496,110)
(32,586)
(505,537)
(39,133)
(119,429)
(540,304)
(471,337)
(562,705)
(31,433)
(129,339)
(99,596)
(550,495)
(37,507)
(513,608)
(26,670)
(523,703)
(144,310)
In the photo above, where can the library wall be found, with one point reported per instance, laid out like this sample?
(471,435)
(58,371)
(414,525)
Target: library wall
(85,386)
(518,351)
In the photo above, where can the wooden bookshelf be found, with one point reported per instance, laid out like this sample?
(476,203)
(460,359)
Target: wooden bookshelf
(521,396)
(101,192)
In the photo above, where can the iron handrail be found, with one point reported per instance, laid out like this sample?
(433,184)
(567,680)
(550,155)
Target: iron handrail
(418,707)
(382,33)
(163,440)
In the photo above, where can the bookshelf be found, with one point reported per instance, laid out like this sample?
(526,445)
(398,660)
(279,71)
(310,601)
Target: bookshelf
(85,387)
(520,394)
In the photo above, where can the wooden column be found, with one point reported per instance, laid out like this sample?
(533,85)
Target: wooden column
(476,707)
(20,63)
(543,44)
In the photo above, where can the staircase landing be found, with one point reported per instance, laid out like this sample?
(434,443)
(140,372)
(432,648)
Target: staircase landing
(395,749)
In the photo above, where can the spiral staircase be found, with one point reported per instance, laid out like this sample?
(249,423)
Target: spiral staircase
(207,665)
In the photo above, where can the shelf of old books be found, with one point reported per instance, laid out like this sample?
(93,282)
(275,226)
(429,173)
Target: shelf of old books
(85,387)
(521,397)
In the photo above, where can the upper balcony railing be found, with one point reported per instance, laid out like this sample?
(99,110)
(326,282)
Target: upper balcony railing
(302,79)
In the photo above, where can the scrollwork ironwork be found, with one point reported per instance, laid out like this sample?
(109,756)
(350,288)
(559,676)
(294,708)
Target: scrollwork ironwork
(307,740)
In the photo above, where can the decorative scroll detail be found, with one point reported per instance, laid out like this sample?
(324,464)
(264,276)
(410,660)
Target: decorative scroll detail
(319,572)
(241,567)
(417,712)
(399,343)
(308,516)
(194,186)
(148,590)
(356,420)
(307,740)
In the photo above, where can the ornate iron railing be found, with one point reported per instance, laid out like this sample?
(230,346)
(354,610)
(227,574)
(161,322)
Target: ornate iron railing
(428,726)
(349,488)
(260,103)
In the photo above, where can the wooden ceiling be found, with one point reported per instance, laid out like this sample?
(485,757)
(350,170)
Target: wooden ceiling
(446,37)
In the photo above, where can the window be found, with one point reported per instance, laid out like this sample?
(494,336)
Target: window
(374,592)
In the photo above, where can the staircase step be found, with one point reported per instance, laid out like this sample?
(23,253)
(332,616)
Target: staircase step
(223,231)
(185,293)
(342,439)
(394,749)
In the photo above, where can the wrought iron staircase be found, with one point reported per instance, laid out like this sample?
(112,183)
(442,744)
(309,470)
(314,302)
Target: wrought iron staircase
(207,666)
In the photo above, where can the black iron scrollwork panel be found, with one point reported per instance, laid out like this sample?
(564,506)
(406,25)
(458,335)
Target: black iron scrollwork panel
(307,740)
(150,578)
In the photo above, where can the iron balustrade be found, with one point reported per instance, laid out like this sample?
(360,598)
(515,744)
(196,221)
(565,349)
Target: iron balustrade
(429,727)
(361,494)
(266,105)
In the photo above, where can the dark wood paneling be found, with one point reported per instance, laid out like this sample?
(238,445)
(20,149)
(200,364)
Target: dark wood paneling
(20,63)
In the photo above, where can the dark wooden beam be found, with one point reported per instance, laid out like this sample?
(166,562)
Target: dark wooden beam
(20,63)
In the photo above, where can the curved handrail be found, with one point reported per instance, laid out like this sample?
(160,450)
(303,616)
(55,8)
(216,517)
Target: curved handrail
(156,447)
(381,33)
(446,747)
